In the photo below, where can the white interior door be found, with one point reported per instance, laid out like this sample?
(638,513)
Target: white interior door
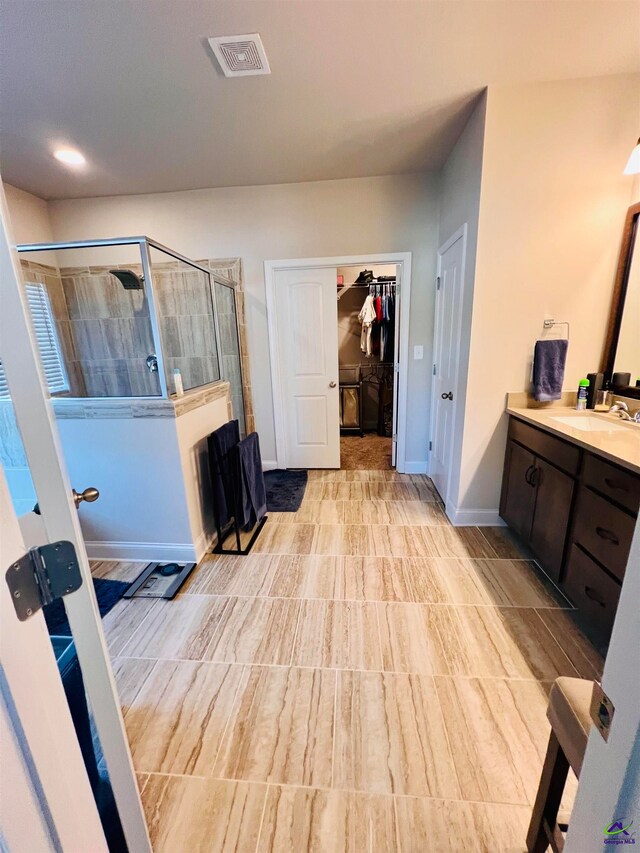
(38,428)
(446,349)
(307,338)
(46,801)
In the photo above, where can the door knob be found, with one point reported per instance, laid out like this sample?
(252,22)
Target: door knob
(332,384)
(89,495)
(448,396)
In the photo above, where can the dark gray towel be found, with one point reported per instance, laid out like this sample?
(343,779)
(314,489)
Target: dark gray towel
(252,497)
(548,369)
(221,443)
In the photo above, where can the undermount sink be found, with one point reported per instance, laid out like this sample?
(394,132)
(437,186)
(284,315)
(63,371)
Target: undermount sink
(588,423)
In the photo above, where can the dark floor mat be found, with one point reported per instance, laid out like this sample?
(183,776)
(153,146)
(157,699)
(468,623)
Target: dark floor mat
(108,594)
(285,490)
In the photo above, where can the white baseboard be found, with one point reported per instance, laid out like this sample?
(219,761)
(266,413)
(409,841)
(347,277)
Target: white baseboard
(473,517)
(415,467)
(269,465)
(143,551)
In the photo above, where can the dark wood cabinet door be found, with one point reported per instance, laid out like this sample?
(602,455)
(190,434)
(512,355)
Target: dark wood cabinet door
(554,493)
(518,494)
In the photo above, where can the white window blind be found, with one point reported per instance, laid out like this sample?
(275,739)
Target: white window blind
(48,342)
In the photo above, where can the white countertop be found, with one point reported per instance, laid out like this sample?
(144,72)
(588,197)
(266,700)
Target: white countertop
(618,441)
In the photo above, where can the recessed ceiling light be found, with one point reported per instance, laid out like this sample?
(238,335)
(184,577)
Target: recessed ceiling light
(69,156)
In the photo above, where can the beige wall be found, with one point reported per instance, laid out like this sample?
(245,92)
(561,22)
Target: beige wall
(359,216)
(552,207)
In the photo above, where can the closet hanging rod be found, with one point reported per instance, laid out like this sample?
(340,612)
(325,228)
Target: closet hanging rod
(370,284)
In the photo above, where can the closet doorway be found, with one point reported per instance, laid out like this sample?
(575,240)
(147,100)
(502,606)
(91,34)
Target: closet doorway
(373,417)
(368,320)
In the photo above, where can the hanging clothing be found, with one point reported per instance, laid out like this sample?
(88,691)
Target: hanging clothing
(367,317)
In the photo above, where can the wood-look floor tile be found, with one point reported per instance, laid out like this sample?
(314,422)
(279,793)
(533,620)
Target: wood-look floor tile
(191,814)
(456,542)
(116,570)
(420,513)
(390,737)
(395,540)
(130,675)
(506,544)
(176,721)
(370,512)
(449,827)
(180,629)
(255,630)
(410,641)
(479,581)
(498,642)
(340,539)
(307,577)
(285,539)
(229,575)
(342,634)
(375,579)
(314,821)
(123,620)
(588,662)
(282,727)
(314,491)
(312,512)
(498,732)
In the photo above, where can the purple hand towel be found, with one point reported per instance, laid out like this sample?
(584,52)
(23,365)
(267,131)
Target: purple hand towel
(548,369)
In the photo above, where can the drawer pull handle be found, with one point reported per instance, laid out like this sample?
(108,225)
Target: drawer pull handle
(590,593)
(607,535)
(615,486)
(527,474)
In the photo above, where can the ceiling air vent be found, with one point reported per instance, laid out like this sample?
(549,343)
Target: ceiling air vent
(240,56)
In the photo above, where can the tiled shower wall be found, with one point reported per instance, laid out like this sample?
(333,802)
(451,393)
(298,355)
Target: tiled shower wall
(110,331)
(106,336)
(185,314)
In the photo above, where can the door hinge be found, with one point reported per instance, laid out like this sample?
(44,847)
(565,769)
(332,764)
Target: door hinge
(437,282)
(41,576)
(430,445)
(602,710)
(434,370)
(396,368)
(394,437)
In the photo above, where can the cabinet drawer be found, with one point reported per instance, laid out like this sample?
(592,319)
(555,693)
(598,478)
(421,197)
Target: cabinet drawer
(604,530)
(612,482)
(592,591)
(563,455)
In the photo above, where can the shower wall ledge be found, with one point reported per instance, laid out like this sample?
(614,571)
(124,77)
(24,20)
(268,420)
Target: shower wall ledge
(141,407)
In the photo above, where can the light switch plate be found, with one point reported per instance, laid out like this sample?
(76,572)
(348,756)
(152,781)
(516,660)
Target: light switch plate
(418,352)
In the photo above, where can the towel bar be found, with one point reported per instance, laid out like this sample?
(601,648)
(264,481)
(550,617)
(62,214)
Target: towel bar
(549,324)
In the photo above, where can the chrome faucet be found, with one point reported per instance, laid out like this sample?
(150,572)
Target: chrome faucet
(622,410)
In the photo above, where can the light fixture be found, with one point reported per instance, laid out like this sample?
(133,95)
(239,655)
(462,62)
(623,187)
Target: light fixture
(69,156)
(633,164)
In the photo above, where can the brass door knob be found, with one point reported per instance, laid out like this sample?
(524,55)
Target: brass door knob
(89,495)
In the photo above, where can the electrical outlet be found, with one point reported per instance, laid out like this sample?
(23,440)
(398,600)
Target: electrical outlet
(418,352)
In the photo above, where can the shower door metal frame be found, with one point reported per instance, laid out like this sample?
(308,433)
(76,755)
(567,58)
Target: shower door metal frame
(146,243)
(143,244)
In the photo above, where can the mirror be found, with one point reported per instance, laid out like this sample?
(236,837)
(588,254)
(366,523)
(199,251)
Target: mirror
(622,347)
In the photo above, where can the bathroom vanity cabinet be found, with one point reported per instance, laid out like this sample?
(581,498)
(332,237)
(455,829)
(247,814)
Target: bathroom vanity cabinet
(577,512)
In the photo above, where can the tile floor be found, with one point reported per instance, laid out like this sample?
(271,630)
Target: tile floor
(369,679)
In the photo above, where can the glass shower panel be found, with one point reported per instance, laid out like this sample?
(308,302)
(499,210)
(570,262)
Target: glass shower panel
(230,347)
(92,322)
(184,306)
